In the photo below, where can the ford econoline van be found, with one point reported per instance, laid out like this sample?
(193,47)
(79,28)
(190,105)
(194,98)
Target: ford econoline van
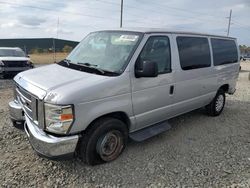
(121,84)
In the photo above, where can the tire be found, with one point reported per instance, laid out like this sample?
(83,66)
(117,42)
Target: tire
(3,76)
(18,124)
(103,142)
(6,76)
(217,105)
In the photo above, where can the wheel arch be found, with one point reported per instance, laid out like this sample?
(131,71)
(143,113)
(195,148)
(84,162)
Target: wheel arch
(117,115)
(225,88)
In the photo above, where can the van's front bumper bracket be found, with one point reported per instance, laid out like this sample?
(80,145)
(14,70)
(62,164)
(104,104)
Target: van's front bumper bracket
(16,112)
(44,144)
(47,145)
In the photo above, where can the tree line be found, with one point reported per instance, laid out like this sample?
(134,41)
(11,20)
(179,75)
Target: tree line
(65,49)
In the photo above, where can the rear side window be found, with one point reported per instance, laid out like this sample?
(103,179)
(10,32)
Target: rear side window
(194,52)
(224,51)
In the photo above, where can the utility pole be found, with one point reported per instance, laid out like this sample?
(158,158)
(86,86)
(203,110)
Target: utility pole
(229,22)
(25,50)
(57,28)
(54,49)
(121,13)
(54,40)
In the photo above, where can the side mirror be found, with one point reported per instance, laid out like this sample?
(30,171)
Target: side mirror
(146,69)
(27,56)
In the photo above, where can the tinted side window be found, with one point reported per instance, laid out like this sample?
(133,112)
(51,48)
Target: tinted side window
(194,52)
(157,49)
(224,51)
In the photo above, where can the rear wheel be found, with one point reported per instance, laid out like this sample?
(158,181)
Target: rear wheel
(217,105)
(103,142)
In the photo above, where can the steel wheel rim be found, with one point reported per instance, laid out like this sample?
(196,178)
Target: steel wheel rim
(219,103)
(110,145)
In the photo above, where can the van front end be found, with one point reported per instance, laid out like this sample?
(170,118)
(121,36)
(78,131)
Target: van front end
(29,108)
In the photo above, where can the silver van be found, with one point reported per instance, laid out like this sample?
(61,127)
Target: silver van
(121,84)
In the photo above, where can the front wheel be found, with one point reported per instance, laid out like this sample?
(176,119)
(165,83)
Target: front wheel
(217,105)
(18,124)
(103,142)
(3,76)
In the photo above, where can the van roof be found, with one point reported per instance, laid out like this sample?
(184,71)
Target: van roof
(163,30)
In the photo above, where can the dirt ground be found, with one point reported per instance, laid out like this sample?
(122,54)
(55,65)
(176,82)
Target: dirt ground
(199,151)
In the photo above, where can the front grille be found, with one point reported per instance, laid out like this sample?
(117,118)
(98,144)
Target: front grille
(28,102)
(15,63)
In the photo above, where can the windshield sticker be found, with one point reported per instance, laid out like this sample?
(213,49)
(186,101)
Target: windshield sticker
(130,38)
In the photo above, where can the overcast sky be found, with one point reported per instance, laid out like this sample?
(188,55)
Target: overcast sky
(29,18)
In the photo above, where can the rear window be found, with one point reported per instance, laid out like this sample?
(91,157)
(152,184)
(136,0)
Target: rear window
(194,52)
(224,51)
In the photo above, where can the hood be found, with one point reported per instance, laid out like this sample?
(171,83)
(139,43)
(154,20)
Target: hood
(14,59)
(51,77)
(67,86)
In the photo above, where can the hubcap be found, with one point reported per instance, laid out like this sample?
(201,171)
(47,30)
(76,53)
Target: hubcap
(110,145)
(219,103)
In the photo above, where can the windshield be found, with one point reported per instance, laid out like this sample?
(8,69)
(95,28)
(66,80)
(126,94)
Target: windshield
(107,50)
(11,53)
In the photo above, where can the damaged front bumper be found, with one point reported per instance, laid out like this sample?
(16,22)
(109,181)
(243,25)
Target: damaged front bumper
(42,142)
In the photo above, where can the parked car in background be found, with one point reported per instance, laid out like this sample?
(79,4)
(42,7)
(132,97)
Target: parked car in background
(13,61)
(121,84)
(247,57)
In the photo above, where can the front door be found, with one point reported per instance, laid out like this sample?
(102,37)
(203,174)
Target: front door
(152,97)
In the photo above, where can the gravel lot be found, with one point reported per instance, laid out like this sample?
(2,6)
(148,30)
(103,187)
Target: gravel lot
(199,151)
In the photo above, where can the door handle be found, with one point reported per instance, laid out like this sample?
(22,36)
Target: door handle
(171,90)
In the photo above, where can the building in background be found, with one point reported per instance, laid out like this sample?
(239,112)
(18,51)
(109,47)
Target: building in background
(39,45)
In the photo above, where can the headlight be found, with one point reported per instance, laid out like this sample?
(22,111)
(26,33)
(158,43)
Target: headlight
(30,63)
(58,119)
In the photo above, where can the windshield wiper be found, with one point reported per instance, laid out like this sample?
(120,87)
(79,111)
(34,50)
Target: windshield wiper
(62,62)
(92,66)
(99,70)
(66,61)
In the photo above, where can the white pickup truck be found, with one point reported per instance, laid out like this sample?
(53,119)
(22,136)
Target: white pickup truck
(13,61)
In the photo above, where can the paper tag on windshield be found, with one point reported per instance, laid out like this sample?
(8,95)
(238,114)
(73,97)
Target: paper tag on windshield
(131,38)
